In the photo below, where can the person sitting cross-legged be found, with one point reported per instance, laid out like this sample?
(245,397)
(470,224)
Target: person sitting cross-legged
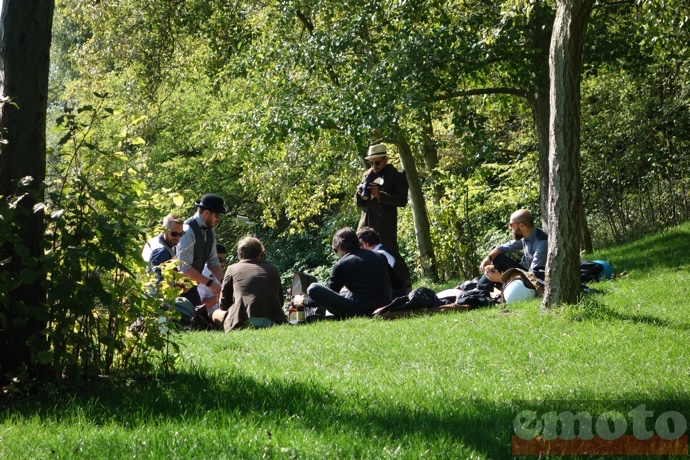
(364,273)
(252,294)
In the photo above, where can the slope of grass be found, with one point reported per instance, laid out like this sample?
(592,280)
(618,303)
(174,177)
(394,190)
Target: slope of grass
(442,386)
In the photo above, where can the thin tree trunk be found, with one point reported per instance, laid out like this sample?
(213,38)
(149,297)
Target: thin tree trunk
(419,212)
(431,156)
(539,36)
(565,191)
(25,35)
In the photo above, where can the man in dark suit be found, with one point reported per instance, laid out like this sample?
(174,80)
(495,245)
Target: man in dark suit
(364,273)
(401,281)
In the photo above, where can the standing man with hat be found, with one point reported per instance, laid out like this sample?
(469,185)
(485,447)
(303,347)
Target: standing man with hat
(382,192)
(197,247)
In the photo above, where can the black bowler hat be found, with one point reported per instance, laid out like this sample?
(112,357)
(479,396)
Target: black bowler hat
(212,202)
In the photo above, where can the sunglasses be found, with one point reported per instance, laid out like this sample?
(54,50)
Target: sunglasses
(176,234)
(217,214)
(376,163)
(221,260)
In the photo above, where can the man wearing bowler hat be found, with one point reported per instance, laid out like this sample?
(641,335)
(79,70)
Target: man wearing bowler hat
(197,247)
(382,192)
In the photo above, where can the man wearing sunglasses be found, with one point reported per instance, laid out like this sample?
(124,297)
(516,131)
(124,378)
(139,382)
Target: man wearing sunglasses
(162,247)
(386,191)
(197,247)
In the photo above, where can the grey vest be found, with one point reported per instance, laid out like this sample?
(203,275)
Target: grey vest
(204,241)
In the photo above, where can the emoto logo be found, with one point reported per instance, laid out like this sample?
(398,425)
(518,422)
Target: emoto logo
(609,433)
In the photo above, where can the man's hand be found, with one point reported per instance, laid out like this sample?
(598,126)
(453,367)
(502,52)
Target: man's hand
(375,191)
(486,262)
(215,287)
(492,274)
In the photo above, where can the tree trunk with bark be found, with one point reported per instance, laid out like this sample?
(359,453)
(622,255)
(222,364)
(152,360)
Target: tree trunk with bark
(539,36)
(565,192)
(25,36)
(420,216)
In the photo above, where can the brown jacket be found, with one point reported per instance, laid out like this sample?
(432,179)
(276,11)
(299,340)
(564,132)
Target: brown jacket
(251,288)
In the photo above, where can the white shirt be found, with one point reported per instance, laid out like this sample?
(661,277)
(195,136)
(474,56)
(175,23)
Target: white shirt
(205,292)
(389,258)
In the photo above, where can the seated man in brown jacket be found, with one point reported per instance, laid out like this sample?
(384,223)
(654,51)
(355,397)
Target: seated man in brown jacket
(252,295)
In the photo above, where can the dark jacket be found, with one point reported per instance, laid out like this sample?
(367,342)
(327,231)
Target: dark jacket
(382,214)
(401,274)
(365,274)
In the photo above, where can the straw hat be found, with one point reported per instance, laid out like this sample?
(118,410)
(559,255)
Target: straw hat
(377,151)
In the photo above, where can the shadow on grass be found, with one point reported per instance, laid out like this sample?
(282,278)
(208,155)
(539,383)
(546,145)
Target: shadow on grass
(669,249)
(189,398)
(593,309)
(484,426)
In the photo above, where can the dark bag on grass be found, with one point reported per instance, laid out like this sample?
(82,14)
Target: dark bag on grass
(421,297)
(590,271)
(475,298)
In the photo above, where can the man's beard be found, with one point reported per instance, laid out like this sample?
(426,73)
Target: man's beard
(518,235)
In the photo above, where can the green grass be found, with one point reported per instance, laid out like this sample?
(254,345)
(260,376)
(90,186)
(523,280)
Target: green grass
(442,386)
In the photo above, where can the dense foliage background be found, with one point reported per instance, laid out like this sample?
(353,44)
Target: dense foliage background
(272,105)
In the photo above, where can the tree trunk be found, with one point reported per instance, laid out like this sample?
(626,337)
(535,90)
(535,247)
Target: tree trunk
(565,192)
(539,36)
(431,156)
(419,212)
(25,35)
(541,113)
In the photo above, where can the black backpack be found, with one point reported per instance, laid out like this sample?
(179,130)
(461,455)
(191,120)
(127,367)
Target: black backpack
(590,271)
(421,297)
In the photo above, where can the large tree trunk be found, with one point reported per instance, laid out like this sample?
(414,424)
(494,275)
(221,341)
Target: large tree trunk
(539,36)
(419,212)
(565,192)
(25,35)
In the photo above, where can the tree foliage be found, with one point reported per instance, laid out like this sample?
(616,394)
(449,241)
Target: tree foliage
(272,105)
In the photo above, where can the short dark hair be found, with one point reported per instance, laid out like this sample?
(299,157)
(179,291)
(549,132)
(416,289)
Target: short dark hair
(220,249)
(250,248)
(345,239)
(369,236)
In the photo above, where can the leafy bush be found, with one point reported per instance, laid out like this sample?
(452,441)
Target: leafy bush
(95,281)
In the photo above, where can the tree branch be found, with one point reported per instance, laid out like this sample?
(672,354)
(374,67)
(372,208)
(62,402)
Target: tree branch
(479,91)
(310,27)
(616,3)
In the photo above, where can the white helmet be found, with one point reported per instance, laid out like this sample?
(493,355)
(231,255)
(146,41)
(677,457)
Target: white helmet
(516,291)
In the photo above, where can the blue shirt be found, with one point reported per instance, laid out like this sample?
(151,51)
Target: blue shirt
(534,249)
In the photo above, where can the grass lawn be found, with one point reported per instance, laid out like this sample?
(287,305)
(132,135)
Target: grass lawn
(441,386)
